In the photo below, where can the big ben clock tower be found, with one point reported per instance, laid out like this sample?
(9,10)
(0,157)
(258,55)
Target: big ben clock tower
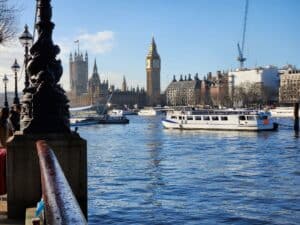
(153,75)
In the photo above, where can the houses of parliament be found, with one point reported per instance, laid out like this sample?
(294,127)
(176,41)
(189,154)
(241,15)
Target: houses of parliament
(94,90)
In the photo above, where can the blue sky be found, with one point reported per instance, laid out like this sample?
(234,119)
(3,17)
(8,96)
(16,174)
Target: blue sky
(191,35)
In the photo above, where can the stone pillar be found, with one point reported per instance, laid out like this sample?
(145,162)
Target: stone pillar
(23,176)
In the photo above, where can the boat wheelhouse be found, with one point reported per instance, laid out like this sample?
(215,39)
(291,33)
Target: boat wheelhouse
(239,120)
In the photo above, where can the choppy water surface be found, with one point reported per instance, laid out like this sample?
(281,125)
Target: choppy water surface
(142,174)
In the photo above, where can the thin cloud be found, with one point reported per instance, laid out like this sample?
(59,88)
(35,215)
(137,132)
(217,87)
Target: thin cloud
(94,43)
(98,43)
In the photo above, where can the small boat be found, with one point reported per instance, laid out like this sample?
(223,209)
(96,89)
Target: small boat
(122,112)
(147,112)
(113,119)
(238,120)
(83,116)
(83,121)
(129,112)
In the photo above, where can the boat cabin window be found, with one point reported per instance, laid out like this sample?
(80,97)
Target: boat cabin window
(197,117)
(180,117)
(189,117)
(206,118)
(173,117)
(242,117)
(224,118)
(215,118)
(250,118)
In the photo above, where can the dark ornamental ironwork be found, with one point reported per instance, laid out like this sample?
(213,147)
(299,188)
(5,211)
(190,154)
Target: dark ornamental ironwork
(45,106)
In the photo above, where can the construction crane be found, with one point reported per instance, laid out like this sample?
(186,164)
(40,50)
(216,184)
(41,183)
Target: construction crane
(241,57)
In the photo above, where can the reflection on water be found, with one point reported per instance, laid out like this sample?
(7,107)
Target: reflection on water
(142,174)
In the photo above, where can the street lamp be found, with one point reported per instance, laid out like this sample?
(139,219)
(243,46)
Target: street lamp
(5,81)
(26,40)
(15,68)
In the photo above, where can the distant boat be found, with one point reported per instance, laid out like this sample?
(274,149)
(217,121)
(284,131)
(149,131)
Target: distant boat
(84,121)
(282,112)
(84,116)
(113,119)
(81,108)
(147,112)
(238,120)
(122,112)
(129,112)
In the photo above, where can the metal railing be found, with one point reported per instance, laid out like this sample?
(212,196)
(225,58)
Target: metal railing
(61,206)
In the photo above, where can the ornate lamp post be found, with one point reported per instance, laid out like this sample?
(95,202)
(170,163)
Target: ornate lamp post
(15,68)
(45,107)
(26,40)
(5,81)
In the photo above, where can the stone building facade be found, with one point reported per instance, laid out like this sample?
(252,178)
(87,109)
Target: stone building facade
(78,73)
(129,98)
(289,91)
(264,79)
(212,90)
(96,91)
(183,92)
(153,66)
(218,89)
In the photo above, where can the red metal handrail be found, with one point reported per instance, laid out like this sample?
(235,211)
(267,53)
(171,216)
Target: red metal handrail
(61,206)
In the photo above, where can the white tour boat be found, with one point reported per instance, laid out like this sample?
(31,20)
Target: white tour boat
(147,112)
(282,112)
(239,120)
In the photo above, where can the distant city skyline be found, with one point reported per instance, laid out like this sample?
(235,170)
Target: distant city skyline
(191,36)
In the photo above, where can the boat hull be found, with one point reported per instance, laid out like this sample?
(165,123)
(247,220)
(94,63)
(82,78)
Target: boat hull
(77,122)
(123,121)
(182,126)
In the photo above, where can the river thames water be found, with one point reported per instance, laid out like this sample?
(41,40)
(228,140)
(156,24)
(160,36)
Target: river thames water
(141,173)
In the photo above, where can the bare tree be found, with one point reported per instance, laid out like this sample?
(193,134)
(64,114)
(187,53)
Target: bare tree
(248,94)
(7,21)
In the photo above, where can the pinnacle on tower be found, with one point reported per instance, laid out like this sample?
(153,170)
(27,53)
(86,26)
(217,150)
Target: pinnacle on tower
(71,57)
(152,49)
(95,70)
(124,85)
(86,56)
(174,78)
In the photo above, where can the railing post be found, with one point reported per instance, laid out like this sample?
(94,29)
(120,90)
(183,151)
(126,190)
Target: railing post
(296,117)
(61,206)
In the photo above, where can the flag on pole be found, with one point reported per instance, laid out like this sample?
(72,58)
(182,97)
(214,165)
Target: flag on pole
(77,42)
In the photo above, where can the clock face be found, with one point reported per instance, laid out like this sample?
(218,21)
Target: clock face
(155,63)
(148,63)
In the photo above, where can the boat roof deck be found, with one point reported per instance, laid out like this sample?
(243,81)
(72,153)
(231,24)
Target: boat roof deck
(219,112)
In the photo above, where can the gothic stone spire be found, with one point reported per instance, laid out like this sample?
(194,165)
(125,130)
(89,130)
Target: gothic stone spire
(153,50)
